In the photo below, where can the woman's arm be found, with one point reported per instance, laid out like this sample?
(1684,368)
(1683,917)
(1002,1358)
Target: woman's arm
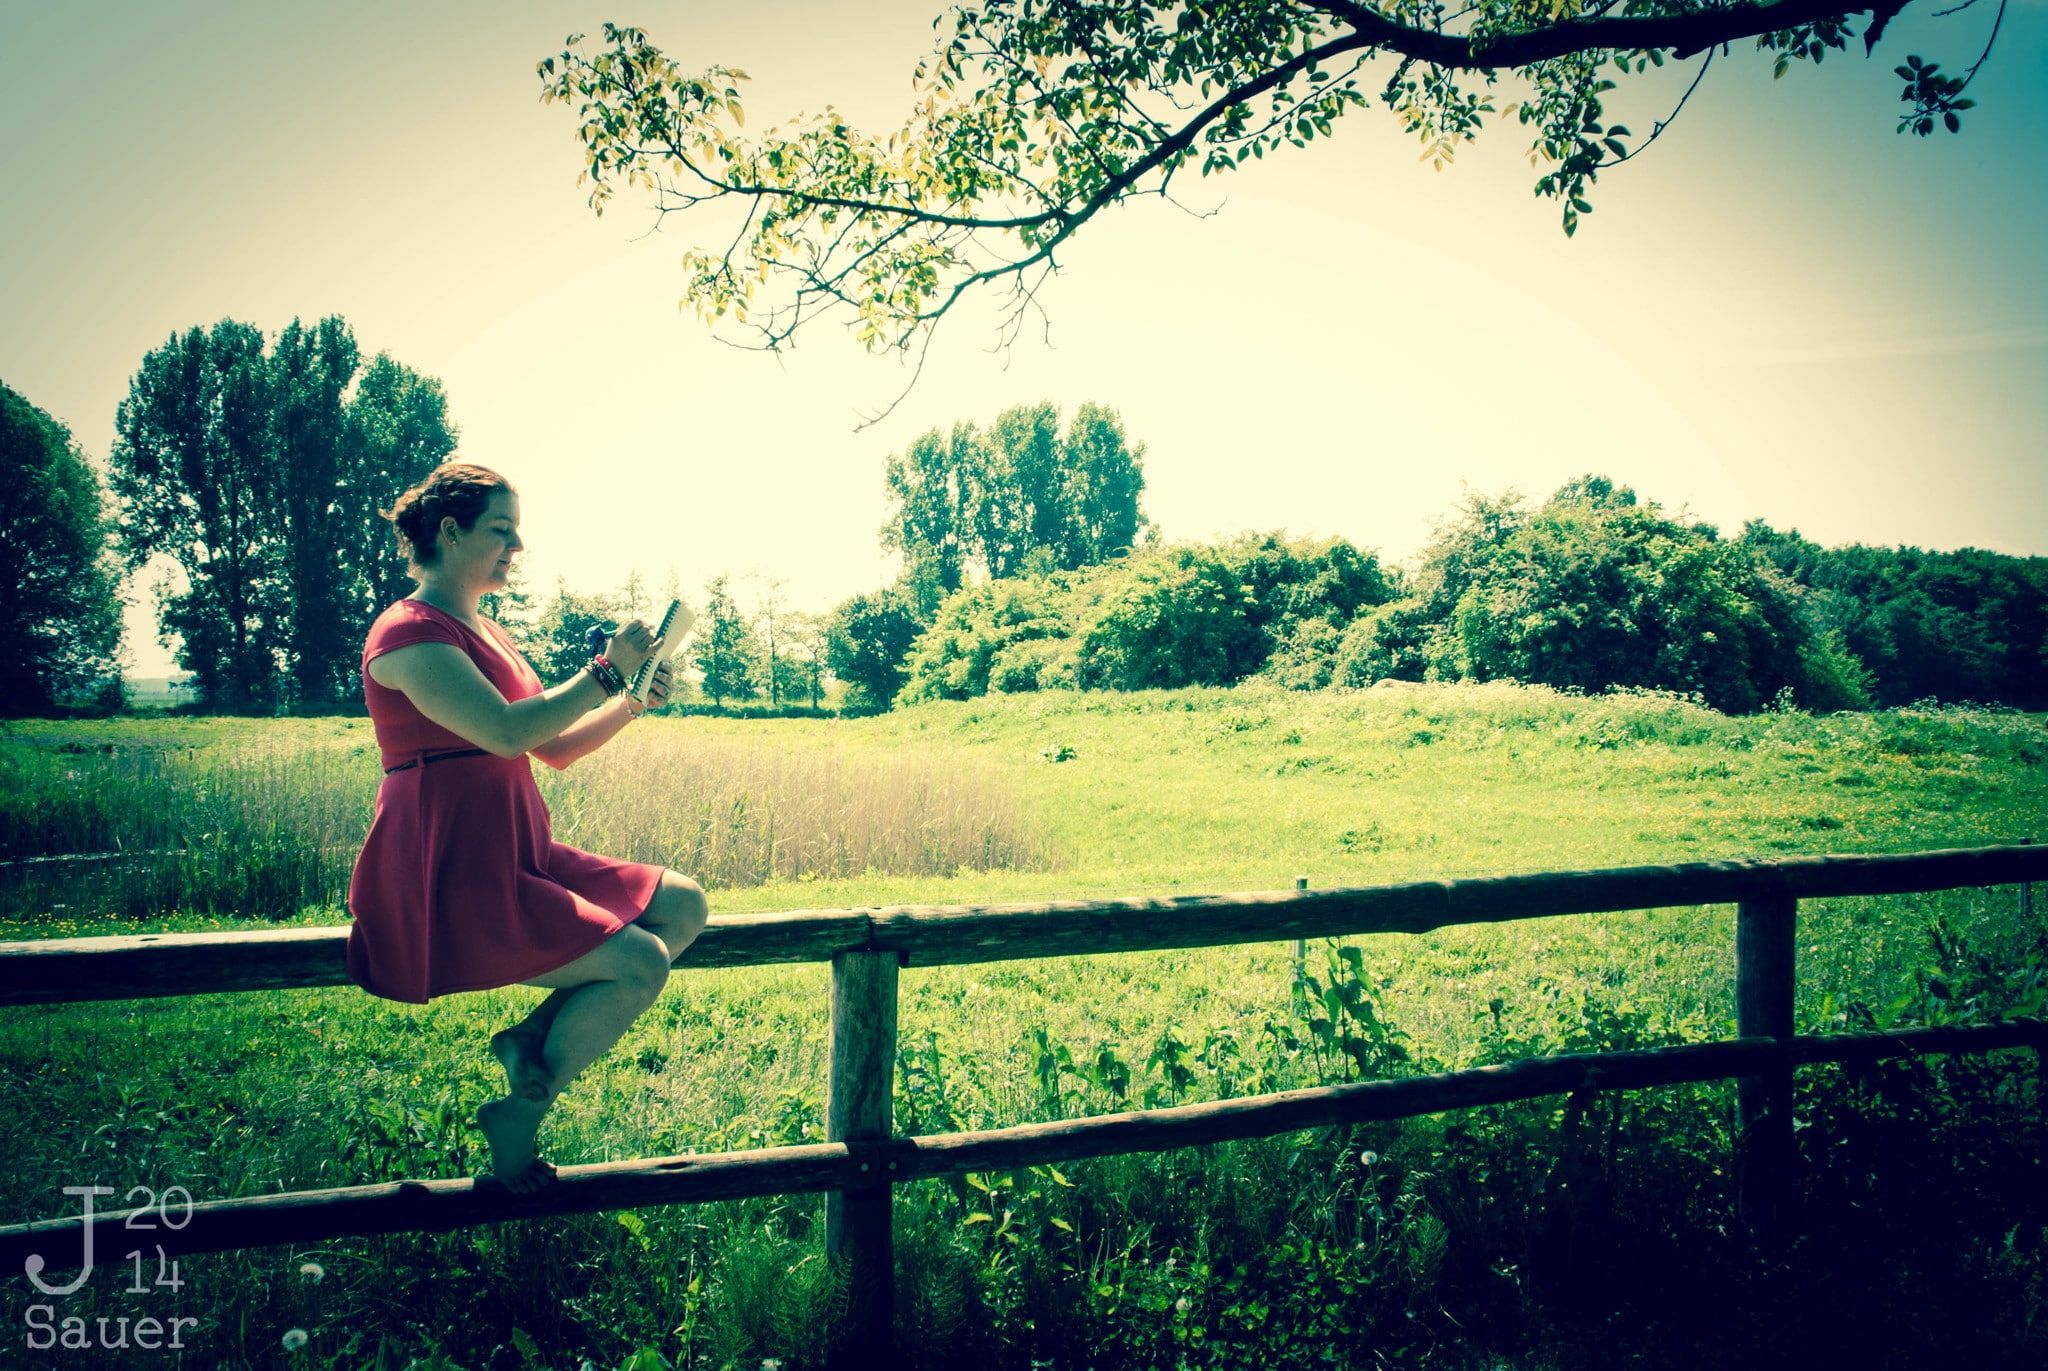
(586,735)
(446,686)
(600,726)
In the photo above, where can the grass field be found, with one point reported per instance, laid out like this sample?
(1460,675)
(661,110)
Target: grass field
(1448,1241)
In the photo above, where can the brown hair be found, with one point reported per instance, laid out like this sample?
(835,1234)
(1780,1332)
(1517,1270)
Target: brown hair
(461,489)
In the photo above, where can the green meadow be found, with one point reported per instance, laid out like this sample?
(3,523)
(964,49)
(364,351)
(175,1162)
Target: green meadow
(1549,1233)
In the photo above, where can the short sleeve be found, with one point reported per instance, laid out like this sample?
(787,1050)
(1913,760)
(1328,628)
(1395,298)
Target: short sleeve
(394,631)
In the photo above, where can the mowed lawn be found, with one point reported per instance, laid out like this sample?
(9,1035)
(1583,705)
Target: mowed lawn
(1151,793)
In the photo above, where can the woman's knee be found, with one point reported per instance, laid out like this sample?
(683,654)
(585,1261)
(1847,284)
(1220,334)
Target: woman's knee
(631,957)
(643,961)
(687,910)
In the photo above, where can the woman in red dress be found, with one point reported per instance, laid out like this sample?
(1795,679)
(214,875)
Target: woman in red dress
(460,885)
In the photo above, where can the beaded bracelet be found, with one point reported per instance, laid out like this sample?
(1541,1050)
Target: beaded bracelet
(607,675)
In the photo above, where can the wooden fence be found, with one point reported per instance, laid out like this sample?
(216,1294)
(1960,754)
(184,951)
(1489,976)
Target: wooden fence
(861,1160)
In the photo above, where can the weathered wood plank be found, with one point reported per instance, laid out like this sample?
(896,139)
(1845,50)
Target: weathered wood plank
(436,1206)
(935,935)
(860,1110)
(184,964)
(1765,952)
(441,1205)
(57,970)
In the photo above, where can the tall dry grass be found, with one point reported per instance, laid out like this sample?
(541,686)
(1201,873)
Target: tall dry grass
(737,813)
(269,828)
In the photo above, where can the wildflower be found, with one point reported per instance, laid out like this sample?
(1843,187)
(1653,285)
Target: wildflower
(294,1339)
(312,1271)
(1180,1306)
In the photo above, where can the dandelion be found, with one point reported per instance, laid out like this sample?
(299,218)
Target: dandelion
(294,1339)
(313,1271)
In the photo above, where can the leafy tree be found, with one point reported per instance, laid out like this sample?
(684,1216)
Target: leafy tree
(193,474)
(260,475)
(927,485)
(728,653)
(311,370)
(1105,478)
(1031,117)
(998,635)
(1017,495)
(1966,625)
(513,609)
(1020,499)
(802,663)
(1831,676)
(771,632)
(1596,590)
(395,430)
(867,639)
(1305,657)
(558,643)
(1293,580)
(60,626)
(1181,618)
(1388,643)
(1163,617)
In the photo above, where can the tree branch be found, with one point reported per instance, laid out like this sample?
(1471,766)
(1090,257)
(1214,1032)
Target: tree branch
(1684,34)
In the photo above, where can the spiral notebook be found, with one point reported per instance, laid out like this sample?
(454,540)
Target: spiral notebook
(669,634)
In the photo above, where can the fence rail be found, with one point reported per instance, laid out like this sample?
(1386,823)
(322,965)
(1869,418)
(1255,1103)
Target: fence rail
(861,1161)
(438,1206)
(150,965)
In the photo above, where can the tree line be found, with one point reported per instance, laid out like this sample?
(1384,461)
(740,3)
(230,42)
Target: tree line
(735,655)
(1028,563)
(1591,589)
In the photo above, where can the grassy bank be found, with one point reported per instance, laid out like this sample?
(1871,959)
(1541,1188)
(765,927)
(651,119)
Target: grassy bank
(1529,1235)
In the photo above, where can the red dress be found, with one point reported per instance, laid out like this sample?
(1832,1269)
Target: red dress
(460,884)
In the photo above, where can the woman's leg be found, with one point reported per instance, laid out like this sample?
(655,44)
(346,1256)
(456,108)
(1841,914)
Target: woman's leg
(606,990)
(675,913)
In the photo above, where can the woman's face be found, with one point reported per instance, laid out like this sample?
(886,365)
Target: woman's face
(482,556)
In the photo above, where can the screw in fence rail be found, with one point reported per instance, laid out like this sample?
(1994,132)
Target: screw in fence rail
(1765,968)
(860,1108)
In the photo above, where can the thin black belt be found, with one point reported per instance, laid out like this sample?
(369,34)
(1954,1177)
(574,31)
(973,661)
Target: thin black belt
(430,759)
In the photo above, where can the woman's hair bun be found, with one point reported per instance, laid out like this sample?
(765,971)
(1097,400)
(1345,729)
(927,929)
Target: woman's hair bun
(460,489)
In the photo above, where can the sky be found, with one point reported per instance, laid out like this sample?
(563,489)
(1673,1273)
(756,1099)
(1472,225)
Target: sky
(1784,310)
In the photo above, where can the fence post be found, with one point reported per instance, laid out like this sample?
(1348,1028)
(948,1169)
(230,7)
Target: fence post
(1300,945)
(1764,966)
(859,1107)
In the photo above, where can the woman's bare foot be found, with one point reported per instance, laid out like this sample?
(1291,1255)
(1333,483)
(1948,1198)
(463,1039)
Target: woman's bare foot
(526,1070)
(510,1126)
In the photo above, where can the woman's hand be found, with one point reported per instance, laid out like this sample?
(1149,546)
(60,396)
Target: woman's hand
(629,647)
(658,687)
